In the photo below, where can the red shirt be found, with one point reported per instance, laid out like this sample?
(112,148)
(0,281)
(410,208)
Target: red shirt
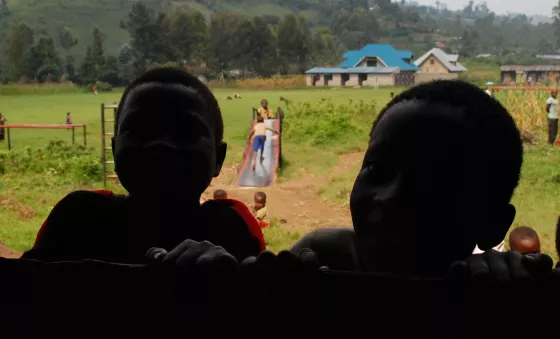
(101,225)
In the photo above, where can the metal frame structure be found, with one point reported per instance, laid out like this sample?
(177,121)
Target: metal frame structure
(43,126)
(104,145)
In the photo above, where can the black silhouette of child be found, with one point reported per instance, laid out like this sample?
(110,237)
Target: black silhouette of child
(443,161)
(167,148)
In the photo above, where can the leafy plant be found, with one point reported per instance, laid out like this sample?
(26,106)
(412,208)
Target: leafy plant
(57,158)
(325,124)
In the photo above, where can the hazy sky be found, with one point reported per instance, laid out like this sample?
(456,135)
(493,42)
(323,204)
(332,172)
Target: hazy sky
(543,7)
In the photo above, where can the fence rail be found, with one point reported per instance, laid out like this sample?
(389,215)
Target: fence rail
(44,126)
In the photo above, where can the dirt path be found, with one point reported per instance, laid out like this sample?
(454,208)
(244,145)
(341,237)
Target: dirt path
(295,202)
(8,253)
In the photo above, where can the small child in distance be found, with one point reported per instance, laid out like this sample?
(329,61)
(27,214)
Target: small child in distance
(68,119)
(220,194)
(259,209)
(524,240)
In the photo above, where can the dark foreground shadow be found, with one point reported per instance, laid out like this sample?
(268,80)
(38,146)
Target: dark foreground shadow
(85,298)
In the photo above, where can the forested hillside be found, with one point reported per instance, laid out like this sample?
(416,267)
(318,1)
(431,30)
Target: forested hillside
(111,40)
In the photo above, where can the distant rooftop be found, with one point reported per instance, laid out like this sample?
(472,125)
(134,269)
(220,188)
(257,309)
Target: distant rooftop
(446,60)
(385,53)
(352,70)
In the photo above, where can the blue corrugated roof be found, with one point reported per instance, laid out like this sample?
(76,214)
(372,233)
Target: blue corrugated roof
(390,56)
(352,70)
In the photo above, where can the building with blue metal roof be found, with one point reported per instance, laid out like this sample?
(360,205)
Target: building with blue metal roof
(373,65)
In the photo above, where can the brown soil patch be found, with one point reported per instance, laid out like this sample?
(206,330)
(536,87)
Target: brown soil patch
(24,212)
(8,253)
(294,201)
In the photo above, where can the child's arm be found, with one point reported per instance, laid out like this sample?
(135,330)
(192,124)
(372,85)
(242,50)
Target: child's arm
(273,130)
(251,134)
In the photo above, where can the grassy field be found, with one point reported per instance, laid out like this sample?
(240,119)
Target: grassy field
(25,200)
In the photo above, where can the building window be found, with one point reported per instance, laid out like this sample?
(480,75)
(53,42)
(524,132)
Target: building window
(371,62)
(432,61)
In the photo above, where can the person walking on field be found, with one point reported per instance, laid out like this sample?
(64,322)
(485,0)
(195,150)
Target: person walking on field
(552,111)
(2,130)
(259,139)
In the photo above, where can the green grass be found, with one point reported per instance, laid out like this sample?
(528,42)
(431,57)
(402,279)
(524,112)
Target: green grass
(481,71)
(536,199)
(25,201)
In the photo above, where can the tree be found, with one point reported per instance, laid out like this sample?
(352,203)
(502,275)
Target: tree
(468,43)
(264,43)
(110,71)
(556,13)
(4,9)
(87,68)
(92,66)
(19,41)
(358,28)
(324,50)
(97,52)
(188,34)
(222,41)
(69,68)
(125,62)
(66,39)
(41,60)
(149,36)
(293,43)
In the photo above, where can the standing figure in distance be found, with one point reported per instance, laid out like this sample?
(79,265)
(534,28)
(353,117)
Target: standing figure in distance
(552,111)
(2,130)
(68,119)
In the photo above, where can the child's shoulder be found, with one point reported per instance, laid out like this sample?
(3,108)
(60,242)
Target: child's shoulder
(90,200)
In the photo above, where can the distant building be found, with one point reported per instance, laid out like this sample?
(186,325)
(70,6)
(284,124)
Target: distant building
(438,65)
(518,74)
(373,65)
(548,57)
(484,56)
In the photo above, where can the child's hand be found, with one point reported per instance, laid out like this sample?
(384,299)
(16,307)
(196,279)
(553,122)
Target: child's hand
(500,267)
(286,261)
(193,256)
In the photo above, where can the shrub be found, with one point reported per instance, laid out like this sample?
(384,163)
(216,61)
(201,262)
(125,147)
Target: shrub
(325,124)
(101,86)
(279,82)
(57,158)
(44,88)
(527,109)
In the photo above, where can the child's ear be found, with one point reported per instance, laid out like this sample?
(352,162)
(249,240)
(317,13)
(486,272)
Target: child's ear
(221,151)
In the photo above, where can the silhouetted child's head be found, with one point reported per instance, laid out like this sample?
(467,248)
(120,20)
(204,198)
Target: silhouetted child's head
(260,200)
(220,194)
(524,240)
(68,114)
(264,103)
(443,161)
(260,119)
(168,135)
